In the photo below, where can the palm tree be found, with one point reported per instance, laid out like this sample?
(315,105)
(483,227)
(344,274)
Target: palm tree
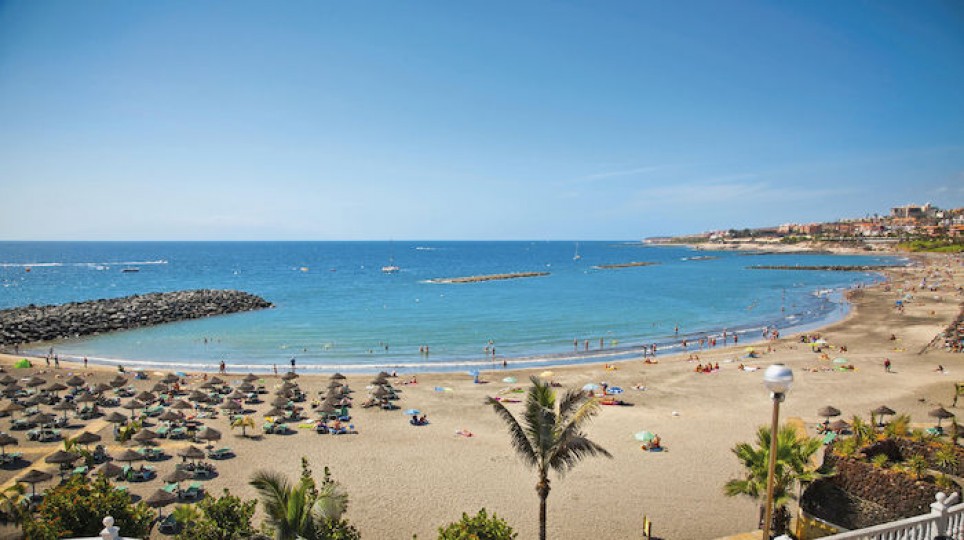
(863,432)
(550,435)
(243,422)
(793,466)
(301,510)
(13,504)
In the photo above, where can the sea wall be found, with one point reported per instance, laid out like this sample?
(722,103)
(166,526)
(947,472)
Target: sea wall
(41,323)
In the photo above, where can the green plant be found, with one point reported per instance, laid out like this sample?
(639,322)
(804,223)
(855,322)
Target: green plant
(550,436)
(793,466)
(77,507)
(879,461)
(477,527)
(846,447)
(14,504)
(945,457)
(243,422)
(127,431)
(899,426)
(304,510)
(224,518)
(918,464)
(863,432)
(919,435)
(70,445)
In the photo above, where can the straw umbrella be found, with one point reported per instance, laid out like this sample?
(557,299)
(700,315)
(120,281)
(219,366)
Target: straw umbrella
(274,412)
(176,477)
(64,406)
(198,396)
(231,405)
(339,377)
(100,388)
(85,397)
(828,411)
(940,413)
(33,477)
(118,382)
(6,440)
(145,436)
(882,411)
(207,385)
(289,376)
(171,416)
(75,381)
(170,378)
(160,499)
(160,388)
(87,438)
(208,434)
(11,390)
(35,381)
(129,456)
(115,418)
(11,407)
(246,387)
(62,458)
(145,396)
(250,377)
(55,387)
(218,381)
(7,379)
(132,405)
(181,404)
(109,469)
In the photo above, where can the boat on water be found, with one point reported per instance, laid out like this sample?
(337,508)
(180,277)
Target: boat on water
(390,269)
(130,270)
(577,256)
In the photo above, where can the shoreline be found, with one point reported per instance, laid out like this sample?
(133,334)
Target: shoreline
(436,474)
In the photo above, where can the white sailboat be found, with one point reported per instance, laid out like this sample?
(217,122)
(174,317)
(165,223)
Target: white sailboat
(577,256)
(391,268)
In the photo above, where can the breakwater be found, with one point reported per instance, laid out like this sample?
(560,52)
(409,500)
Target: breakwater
(41,323)
(830,267)
(489,277)
(622,265)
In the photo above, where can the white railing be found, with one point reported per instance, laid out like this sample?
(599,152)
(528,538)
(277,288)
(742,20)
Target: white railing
(944,520)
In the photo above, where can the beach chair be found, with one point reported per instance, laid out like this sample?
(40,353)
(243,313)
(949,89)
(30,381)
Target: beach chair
(194,491)
(220,453)
(170,488)
(829,437)
(168,525)
(82,470)
(162,431)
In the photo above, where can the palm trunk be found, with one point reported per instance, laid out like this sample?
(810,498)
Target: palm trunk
(542,488)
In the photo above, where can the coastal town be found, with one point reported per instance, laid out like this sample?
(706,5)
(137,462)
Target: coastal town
(905,225)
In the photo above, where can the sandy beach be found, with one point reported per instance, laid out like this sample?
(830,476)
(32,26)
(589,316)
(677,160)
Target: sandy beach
(406,480)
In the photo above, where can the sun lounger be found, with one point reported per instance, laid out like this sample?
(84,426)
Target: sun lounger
(168,525)
(221,453)
(829,437)
(82,470)
(170,488)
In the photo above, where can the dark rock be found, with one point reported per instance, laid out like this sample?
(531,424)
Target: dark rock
(40,323)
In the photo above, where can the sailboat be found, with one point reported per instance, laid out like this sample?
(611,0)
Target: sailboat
(391,268)
(577,256)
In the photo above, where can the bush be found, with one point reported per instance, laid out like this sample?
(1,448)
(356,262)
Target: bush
(478,527)
(224,518)
(78,508)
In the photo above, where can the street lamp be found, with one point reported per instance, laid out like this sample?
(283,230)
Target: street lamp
(777,378)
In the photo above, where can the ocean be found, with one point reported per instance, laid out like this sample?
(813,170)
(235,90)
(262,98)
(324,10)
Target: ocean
(336,310)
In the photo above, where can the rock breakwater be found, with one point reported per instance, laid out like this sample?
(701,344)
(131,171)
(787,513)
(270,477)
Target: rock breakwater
(41,323)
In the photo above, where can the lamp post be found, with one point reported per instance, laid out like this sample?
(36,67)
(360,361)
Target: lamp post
(777,378)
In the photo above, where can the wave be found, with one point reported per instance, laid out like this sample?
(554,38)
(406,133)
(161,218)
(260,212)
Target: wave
(97,265)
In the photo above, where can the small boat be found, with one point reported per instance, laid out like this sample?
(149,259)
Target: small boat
(130,270)
(390,269)
(577,256)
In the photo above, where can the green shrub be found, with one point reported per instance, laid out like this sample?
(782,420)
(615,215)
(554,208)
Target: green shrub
(78,507)
(477,527)
(880,460)
(224,518)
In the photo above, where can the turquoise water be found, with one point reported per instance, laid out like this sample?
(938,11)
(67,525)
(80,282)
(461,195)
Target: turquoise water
(336,310)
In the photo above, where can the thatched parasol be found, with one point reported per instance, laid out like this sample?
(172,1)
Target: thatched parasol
(250,377)
(176,476)
(338,377)
(11,407)
(289,376)
(100,388)
(838,425)
(115,418)
(35,381)
(75,381)
(246,387)
(61,456)
(144,436)
(129,455)
(6,440)
(109,469)
(87,438)
(940,413)
(7,379)
(160,388)
(145,396)
(181,404)
(208,434)
(191,452)
(33,477)
(85,398)
(118,382)
(231,405)
(217,380)
(170,416)
(274,411)
(170,378)
(55,387)
(828,411)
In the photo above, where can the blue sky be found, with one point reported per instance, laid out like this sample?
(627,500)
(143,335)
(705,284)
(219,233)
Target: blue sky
(313,120)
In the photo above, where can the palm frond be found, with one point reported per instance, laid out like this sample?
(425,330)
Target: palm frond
(517,435)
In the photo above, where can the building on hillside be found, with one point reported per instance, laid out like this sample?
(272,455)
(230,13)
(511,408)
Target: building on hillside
(914,211)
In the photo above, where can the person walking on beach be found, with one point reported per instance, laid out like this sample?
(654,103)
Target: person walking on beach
(292,363)
(222,367)
(85,362)
(887,365)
